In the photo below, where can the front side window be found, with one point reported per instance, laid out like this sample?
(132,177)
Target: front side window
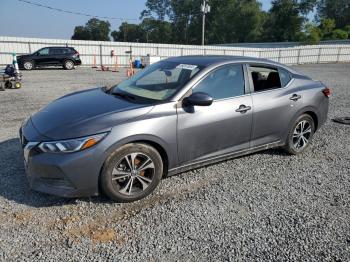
(224,82)
(265,78)
(44,51)
(158,81)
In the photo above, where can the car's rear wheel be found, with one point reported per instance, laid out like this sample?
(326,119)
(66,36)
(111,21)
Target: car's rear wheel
(68,64)
(300,135)
(131,172)
(28,65)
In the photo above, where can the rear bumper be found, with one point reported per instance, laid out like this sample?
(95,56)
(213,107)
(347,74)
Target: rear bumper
(77,62)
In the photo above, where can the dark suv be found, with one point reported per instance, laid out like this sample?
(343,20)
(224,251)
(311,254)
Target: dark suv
(67,57)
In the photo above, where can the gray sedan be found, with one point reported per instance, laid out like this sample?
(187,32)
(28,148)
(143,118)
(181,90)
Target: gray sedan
(178,114)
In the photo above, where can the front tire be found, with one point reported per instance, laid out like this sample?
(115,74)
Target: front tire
(300,135)
(28,65)
(132,172)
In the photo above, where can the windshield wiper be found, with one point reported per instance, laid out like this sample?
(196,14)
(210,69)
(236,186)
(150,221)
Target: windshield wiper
(125,96)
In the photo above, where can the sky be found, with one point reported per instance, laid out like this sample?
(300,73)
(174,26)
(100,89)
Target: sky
(23,20)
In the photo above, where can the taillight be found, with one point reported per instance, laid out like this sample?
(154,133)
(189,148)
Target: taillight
(327,92)
(76,54)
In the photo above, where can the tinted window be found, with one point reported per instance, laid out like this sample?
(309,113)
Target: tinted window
(224,82)
(265,78)
(284,76)
(44,51)
(68,50)
(56,51)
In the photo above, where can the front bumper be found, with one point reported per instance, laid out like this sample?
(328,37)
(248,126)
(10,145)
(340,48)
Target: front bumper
(67,175)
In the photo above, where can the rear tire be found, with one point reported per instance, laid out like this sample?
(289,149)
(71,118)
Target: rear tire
(132,172)
(68,65)
(8,85)
(300,135)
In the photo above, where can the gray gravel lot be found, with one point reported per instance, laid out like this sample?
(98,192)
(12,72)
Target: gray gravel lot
(266,206)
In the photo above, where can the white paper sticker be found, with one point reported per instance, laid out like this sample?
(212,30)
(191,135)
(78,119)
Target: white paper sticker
(186,66)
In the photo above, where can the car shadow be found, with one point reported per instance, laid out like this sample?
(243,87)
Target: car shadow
(14,185)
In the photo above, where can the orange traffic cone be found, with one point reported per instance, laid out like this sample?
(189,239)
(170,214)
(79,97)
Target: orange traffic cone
(94,62)
(116,65)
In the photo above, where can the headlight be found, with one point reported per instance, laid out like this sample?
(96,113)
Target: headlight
(71,145)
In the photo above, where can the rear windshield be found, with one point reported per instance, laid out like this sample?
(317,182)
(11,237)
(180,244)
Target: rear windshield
(159,81)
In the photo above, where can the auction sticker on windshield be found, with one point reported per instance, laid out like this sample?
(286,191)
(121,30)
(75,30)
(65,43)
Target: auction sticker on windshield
(186,66)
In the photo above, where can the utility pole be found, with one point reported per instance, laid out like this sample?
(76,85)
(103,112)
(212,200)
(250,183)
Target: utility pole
(205,8)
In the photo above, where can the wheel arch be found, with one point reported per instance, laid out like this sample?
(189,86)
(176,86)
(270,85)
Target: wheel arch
(311,111)
(161,147)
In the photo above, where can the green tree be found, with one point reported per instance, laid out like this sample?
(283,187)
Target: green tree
(310,35)
(235,21)
(157,31)
(339,34)
(339,10)
(129,33)
(80,33)
(157,9)
(285,20)
(94,29)
(327,26)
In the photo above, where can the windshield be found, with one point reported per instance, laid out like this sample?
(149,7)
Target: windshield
(158,81)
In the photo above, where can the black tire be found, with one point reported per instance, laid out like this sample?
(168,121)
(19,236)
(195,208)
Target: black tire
(300,135)
(117,166)
(68,64)
(8,85)
(28,65)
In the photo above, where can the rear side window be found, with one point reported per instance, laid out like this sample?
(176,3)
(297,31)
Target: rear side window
(224,82)
(265,78)
(284,76)
(56,51)
(69,50)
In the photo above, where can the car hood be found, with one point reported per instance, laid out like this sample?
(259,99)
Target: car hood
(85,113)
(19,57)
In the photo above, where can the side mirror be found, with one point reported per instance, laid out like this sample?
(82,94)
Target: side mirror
(199,99)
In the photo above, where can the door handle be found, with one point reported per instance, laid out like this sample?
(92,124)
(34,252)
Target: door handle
(243,108)
(295,97)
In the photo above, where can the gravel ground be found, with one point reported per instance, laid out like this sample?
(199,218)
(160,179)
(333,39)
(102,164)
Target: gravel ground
(266,206)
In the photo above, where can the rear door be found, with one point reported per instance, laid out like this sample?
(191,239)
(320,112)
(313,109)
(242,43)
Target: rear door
(275,103)
(56,56)
(205,132)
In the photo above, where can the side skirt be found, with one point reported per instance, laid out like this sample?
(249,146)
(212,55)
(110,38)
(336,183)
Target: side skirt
(221,158)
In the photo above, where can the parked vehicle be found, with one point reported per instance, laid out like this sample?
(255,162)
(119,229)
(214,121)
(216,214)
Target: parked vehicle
(175,115)
(67,57)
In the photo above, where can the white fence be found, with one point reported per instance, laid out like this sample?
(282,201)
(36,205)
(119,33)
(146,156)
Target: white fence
(100,51)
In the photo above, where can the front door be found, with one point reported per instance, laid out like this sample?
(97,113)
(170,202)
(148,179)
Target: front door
(42,56)
(224,126)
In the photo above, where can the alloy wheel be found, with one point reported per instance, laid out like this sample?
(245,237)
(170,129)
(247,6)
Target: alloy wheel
(133,173)
(28,65)
(69,65)
(302,134)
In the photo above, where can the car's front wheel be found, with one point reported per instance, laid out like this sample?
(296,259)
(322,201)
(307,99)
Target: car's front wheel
(300,135)
(28,65)
(68,64)
(132,172)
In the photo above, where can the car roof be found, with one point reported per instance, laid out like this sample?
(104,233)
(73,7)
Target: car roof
(58,47)
(207,60)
